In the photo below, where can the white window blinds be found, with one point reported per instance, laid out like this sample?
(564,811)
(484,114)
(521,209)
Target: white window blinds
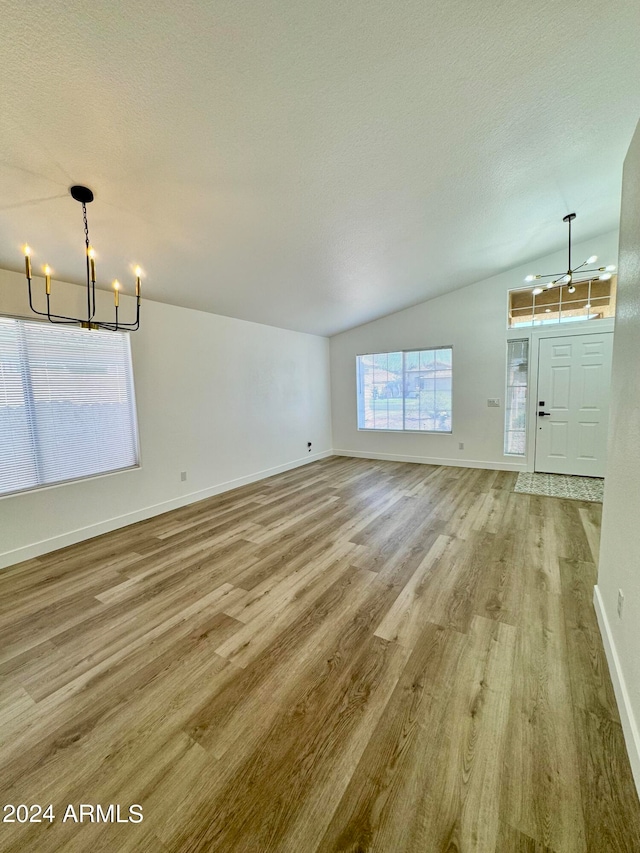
(67,407)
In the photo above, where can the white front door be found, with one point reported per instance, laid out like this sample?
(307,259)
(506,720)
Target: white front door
(574,374)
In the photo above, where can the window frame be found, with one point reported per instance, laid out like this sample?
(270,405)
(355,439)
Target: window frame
(134,408)
(403,431)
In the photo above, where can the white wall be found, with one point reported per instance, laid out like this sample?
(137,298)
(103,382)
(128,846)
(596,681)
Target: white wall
(226,400)
(620,550)
(473,320)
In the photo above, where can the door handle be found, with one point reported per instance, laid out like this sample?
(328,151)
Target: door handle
(544,414)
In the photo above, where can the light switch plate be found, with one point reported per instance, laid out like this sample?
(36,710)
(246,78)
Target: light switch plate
(493,402)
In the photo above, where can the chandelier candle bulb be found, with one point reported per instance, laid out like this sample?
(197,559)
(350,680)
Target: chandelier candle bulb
(138,273)
(47,279)
(27,260)
(92,264)
(116,292)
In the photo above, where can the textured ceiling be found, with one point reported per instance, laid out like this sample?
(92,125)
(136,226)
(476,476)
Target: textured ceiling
(311,165)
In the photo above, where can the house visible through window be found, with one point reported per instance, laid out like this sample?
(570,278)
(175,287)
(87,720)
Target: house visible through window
(67,406)
(405,390)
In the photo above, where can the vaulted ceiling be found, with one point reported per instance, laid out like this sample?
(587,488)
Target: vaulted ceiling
(311,165)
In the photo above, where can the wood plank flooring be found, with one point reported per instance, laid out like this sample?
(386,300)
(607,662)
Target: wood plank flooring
(351,656)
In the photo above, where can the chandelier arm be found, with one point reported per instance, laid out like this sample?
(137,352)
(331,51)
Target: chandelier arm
(62,318)
(67,321)
(128,327)
(59,318)
(104,325)
(132,327)
(117,326)
(591,269)
(110,327)
(42,313)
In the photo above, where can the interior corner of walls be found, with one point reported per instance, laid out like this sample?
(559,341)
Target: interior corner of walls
(627,717)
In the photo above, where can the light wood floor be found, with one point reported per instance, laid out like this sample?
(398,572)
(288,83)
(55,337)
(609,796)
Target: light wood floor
(354,656)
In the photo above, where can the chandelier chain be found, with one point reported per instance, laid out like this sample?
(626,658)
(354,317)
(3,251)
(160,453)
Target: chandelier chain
(86,224)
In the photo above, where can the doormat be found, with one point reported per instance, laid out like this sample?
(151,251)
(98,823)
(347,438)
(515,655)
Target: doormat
(561,486)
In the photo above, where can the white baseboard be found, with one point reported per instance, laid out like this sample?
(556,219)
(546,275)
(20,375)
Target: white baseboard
(629,726)
(37,549)
(434,460)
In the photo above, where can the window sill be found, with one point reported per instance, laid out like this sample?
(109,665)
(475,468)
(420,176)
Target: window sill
(46,486)
(409,431)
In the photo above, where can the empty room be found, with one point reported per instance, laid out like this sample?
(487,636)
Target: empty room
(320,427)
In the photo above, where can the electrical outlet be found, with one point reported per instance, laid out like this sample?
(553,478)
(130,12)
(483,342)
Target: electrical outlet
(461,445)
(309,446)
(183,476)
(620,602)
(493,402)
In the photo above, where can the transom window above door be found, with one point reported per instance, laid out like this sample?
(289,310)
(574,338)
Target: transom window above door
(567,303)
(406,390)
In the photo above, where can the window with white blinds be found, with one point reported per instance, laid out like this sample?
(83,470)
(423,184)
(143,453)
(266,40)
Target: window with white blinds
(67,406)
